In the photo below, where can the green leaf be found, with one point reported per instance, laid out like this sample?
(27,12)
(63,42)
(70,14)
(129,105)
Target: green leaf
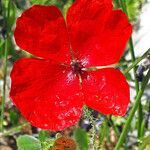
(133,7)
(47,144)
(81,139)
(26,142)
(14,117)
(145,143)
(43,135)
(42,2)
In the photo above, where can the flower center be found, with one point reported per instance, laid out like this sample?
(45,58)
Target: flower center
(77,67)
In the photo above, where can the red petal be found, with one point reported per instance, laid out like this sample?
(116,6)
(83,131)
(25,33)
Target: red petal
(107,91)
(47,94)
(98,33)
(41,30)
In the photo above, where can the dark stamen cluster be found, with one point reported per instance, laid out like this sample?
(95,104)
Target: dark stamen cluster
(76,66)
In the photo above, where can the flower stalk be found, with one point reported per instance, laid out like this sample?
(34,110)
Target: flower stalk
(133,110)
(6,16)
(131,49)
(14,130)
(134,64)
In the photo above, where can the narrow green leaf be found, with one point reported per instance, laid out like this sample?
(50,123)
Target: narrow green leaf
(81,139)
(14,117)
(104,129)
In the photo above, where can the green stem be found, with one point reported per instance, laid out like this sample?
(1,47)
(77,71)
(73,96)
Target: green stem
(1,43)
(133,60)
(14,130)
(4,87)
(134,64)
(140,115)
(6,16)
(108,119)
(133,110)
(102,134)
(140,112)
(123,5)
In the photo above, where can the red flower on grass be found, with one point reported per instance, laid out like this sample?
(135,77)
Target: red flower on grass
(51,89)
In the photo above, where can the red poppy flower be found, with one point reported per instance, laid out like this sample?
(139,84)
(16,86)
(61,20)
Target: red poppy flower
(48,89)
